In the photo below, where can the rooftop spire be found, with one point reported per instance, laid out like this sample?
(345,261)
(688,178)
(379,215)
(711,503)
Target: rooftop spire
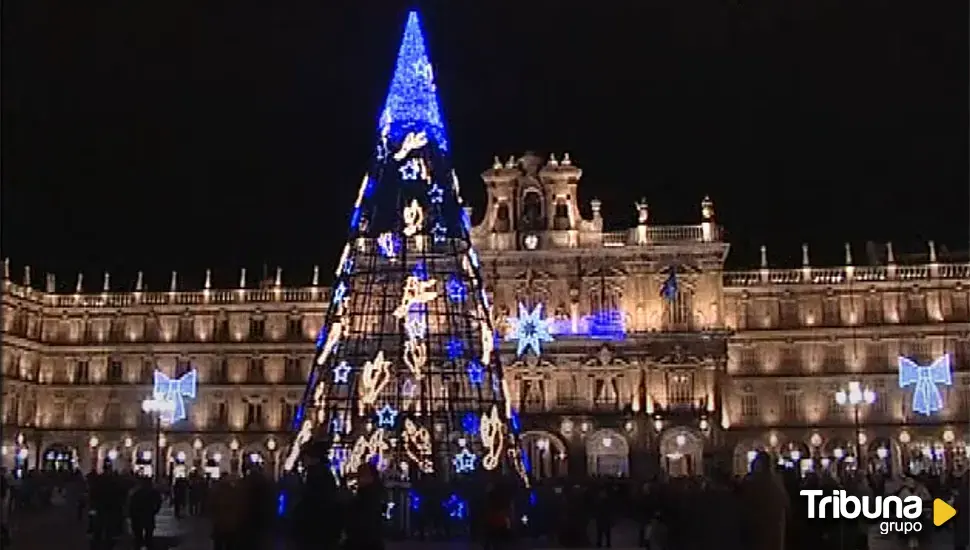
(412,101)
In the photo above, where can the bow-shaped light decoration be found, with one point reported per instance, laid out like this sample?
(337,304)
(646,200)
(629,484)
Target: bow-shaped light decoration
(927,398)
(174,391)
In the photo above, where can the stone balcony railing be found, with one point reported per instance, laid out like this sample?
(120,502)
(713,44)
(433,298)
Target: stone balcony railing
(662,234)
(845,275)
(178,298)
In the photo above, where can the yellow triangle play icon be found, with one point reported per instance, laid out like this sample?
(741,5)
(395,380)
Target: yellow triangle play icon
(942,512)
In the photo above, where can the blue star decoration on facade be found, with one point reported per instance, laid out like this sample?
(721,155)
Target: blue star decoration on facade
(529,329)
(386,416)
(927,398)
(464,461)
(412,102)
(340,373)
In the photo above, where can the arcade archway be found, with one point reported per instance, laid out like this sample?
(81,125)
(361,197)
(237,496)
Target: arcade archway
(744,454)
(253,460)
(180,457)
(607,454)
(143,459)
(216,460)
(59,457)
(544,454)
(681,452)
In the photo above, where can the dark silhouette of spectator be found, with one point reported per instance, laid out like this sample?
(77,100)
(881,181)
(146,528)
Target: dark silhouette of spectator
(365,520)
(143,506)
(227,502)
(317,519)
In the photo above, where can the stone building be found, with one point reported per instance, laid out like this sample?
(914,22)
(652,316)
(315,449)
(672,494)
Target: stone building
(659,358)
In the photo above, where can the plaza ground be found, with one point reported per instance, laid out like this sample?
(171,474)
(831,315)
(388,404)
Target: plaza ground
(59,529)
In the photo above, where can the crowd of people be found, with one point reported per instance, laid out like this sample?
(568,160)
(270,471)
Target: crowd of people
(762,511)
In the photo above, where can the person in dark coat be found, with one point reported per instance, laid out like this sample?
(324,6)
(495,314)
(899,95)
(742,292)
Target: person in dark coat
(316,518)
(180,494)
(143,506)
(107,510)
(366,517)
(961,523)
(498,518)
(766,502)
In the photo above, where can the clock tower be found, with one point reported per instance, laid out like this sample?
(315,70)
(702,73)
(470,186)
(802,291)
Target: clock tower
(533,205)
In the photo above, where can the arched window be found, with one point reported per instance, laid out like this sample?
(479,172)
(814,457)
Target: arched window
(502,222)
(532,211)
(560,219)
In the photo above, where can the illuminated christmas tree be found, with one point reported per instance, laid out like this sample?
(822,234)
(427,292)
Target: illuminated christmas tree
(406,374)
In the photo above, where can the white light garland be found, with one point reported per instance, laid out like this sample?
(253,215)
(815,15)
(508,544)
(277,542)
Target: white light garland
(333,338)
(304,435)
(409,392)
(417,445)
(412,142)
(373,377)
(488,342)
(493,431)
(416,291)
(365,449)
(413,218)
(416,356)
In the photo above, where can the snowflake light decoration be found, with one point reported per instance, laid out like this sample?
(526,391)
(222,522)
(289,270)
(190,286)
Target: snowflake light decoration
(529,329)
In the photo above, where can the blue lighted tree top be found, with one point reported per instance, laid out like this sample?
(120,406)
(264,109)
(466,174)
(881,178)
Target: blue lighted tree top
(412,101)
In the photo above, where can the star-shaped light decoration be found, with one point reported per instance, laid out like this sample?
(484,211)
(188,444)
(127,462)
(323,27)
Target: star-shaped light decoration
(455,289)
(410,170)
(386,416)
(464,461)
(340,372)
(439,233)
(476,373)
(455,349)
(529,329)
(436,194)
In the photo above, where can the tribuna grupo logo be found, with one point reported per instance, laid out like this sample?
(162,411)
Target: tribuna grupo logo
(899,515)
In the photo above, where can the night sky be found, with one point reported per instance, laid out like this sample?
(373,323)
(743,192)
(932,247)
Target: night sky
(194,135)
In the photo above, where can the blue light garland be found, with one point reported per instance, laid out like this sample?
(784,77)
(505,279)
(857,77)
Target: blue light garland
(412,102)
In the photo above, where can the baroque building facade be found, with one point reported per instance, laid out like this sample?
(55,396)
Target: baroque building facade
(635,380)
